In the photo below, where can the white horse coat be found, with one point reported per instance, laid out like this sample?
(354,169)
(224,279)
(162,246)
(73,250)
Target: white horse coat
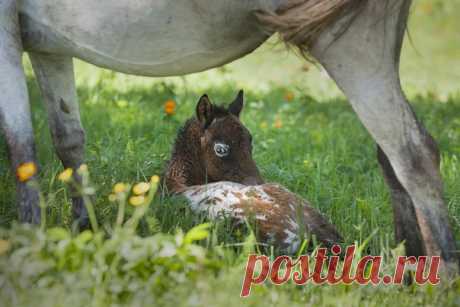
(145,37)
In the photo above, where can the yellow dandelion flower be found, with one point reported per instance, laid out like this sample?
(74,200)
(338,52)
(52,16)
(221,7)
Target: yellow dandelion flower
(278,123)
(141,188)
(65,175)
(137,200)
(119,188)
(112,197)
(26,171)
(170,107)
(263,125)
(289,96)
(4,246)
(155,179)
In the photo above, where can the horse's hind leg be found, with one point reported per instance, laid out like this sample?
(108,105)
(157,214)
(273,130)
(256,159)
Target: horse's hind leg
(15,118)
(405,220)
(55,76)
(364,61)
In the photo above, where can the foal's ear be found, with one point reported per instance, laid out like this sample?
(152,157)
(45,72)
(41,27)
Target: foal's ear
(204,110)
(237,105)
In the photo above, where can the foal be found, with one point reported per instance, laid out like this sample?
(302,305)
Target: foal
(212,166)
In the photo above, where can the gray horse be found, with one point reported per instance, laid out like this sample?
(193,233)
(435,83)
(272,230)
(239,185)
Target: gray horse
(357,41)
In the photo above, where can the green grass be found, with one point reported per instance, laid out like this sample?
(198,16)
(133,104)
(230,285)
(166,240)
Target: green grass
(321,152)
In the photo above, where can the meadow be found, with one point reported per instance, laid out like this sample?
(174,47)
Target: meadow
(306,137)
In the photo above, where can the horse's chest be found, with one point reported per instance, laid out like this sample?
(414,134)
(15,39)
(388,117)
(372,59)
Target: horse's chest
(145,37)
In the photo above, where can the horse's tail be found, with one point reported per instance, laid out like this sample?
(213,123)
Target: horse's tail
(300,22)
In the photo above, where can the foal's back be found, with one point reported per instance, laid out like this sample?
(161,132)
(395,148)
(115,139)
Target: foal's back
(280,218)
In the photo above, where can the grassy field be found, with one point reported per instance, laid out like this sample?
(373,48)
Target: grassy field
(313,144)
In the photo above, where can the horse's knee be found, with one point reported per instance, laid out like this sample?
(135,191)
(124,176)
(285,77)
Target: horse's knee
(417,162)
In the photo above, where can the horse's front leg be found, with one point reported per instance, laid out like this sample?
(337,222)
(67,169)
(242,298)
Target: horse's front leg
(55,76)
(364,61)
(15,118)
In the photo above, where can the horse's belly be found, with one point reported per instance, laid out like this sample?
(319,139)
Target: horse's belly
(144,36)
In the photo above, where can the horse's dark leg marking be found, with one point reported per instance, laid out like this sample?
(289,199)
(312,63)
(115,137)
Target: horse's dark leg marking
(405,220)
(364,61)
(55,76)
(15,118)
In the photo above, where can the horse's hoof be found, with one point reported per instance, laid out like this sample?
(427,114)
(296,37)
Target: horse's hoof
(29,204)
(80,215)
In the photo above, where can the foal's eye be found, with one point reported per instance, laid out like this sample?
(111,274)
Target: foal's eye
(221,149)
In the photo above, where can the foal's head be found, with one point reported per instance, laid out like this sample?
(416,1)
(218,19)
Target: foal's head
(213,146)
